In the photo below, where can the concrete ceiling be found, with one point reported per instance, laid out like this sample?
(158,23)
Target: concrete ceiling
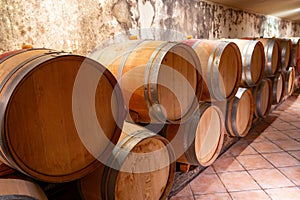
(286,9)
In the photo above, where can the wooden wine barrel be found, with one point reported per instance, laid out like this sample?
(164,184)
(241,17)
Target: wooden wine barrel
(141,167)
(285,52)
(20,189)
(278,87)
(253,60)
(159,80)
(198,141)
(59,112)
(295,57)
(271,49)
(262,95)
(239,113)
(221,66)
(289,81)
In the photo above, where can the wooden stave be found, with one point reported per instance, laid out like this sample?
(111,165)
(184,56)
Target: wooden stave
(209,94)
(231,111)
(109,174)
(5,154)
(150,94)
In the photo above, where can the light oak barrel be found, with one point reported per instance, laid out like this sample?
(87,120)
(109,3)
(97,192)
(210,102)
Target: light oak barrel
(221,66)
(278,87)
(262,95)
(239,113)
(40,135)
(253,61)
(285,52)
(272,55)
(289,81)
(141,167)
(198,141)
(20,189)
(160,80)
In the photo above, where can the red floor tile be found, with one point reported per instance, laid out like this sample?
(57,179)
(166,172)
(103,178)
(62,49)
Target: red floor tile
(227,164)
(250,195)
(282,159)
(227,154)
(295,134)
(295,154)
(292,193)
(182,198)
(260,127)
(254,162)
(238,181)
(293,173)
(207,184)
(270,178)
(269,129)
(185,192)
(209,170)
(283,126)
(242,148)
(215,196)
(254,137)
(265,147)
(288,145)
(290,118)
(296,124)
(275,135)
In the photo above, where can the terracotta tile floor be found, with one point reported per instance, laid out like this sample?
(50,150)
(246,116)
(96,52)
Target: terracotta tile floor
(263,165)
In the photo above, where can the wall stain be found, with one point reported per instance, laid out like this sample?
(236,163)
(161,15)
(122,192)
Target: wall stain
(81,26)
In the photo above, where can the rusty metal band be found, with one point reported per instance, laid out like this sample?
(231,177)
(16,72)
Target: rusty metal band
(150,80)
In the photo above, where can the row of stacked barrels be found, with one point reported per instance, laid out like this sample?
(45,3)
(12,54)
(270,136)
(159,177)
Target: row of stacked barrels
(116,121)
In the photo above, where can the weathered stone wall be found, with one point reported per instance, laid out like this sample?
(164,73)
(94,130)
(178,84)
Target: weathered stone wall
(81,25)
